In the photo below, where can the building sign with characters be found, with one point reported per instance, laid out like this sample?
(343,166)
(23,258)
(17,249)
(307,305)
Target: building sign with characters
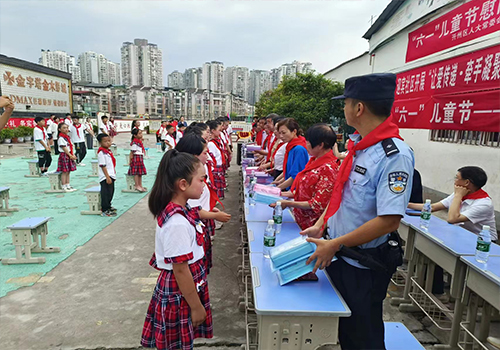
(467,22)
(460,93)
(34,91)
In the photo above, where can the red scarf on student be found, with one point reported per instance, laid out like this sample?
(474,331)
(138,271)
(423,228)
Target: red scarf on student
(258,138)
(77,127)
(314,163)
(298,141)
(139,143)
(213,193)
(476,195)
(267,141)
(219,146)
(43,131)
(68,140)
(107,151)
(384,131)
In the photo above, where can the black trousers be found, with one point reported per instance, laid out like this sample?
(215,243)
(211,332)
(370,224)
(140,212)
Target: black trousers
(163,145)
(107,192)
(90,141)
(56,147)
(80,151)
(44,159)
(364,291)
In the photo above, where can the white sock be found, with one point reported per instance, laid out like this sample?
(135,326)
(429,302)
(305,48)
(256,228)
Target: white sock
(64,187)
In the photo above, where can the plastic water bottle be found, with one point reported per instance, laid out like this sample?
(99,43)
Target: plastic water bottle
(483,245)
(251,192)
(269,238)
(425,215)
(278,217)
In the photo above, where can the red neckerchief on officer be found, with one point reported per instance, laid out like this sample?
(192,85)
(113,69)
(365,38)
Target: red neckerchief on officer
(384,131)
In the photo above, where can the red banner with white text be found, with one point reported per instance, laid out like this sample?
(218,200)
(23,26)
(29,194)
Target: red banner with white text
(472,20)
(461,93)
(15,122)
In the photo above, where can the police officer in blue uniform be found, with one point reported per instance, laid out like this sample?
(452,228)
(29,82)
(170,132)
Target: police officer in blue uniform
(373,196)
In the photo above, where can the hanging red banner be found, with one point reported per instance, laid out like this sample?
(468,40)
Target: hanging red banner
(467,22)
(461,93)
(15,122)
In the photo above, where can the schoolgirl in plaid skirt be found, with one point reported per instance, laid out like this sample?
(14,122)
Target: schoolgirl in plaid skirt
(137,152)
(216,152)
(172,322)
(66,162)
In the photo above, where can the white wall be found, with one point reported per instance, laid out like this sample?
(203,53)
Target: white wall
(436,161)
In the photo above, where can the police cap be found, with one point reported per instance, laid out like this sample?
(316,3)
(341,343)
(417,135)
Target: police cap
(370,87)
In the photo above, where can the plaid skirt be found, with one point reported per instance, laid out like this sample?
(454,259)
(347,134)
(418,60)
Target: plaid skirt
(219,181)
(168,323)
(65,164)
(207,244)
(137,166)
(228,159)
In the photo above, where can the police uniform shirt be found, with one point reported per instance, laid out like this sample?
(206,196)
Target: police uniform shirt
(379,184)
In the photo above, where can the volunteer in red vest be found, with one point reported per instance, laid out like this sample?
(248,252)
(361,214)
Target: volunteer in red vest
(369,199)
(77,133)
(469,206)
(296,156)
(312,188)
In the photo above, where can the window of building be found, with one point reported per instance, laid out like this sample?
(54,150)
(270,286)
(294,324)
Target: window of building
(477,138)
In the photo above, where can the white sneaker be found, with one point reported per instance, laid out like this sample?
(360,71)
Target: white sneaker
(81,164)
(70,189)
(218,225)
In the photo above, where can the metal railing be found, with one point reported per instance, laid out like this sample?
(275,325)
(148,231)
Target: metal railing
(476,138)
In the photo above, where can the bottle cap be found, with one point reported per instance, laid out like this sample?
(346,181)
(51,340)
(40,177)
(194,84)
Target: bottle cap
(278,203)
(427,201)
(486,228)
(270,222)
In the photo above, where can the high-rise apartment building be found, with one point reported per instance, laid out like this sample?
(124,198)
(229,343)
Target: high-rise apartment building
(176,80)
(213,76)
(260,82)
(114,73)
(237,81)
(142,64)
(192,78)
(89,67)
(62,61)
(289,69)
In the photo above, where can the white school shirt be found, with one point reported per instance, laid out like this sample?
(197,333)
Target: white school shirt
(104,160)
(53,130)
(229,130)
(74,135)
(163,134)
(279,158)
(479,212)
(137,150)
(61,142)
(212,148)
(48,125)
(175,238)
(88,126)
(170,139)
(104,128)
(178,136)
(68,122)
(38,135)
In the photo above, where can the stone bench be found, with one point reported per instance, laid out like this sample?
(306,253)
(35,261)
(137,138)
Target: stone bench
(30,236)
(95,168)
(4,202)
(10,148)
(34,170)
(127,160)
(55,183)
(94,201)
(130,184)
(29,153)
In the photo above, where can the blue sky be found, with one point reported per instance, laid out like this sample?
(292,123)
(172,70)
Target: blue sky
(254,34)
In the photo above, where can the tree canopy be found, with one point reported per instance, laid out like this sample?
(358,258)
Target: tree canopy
(304,97)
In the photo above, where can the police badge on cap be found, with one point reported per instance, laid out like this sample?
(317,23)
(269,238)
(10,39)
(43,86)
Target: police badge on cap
(398,181)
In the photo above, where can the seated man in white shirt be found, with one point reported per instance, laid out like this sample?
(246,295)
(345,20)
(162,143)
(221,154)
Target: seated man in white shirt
(469,205)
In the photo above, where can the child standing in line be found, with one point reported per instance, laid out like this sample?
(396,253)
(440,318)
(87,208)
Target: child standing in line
(54,126)
(136,161)
(107,174)
(195,145)
(169,137)
(76,131)
(66,162)
(104,128)
(216,152)
(179,311)
(42,147)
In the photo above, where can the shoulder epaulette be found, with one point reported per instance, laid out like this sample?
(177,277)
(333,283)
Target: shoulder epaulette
(390,147)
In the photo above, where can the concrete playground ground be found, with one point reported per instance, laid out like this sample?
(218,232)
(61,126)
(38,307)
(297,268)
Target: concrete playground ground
(95,293)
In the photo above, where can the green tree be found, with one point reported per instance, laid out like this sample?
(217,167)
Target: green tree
(306,97)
